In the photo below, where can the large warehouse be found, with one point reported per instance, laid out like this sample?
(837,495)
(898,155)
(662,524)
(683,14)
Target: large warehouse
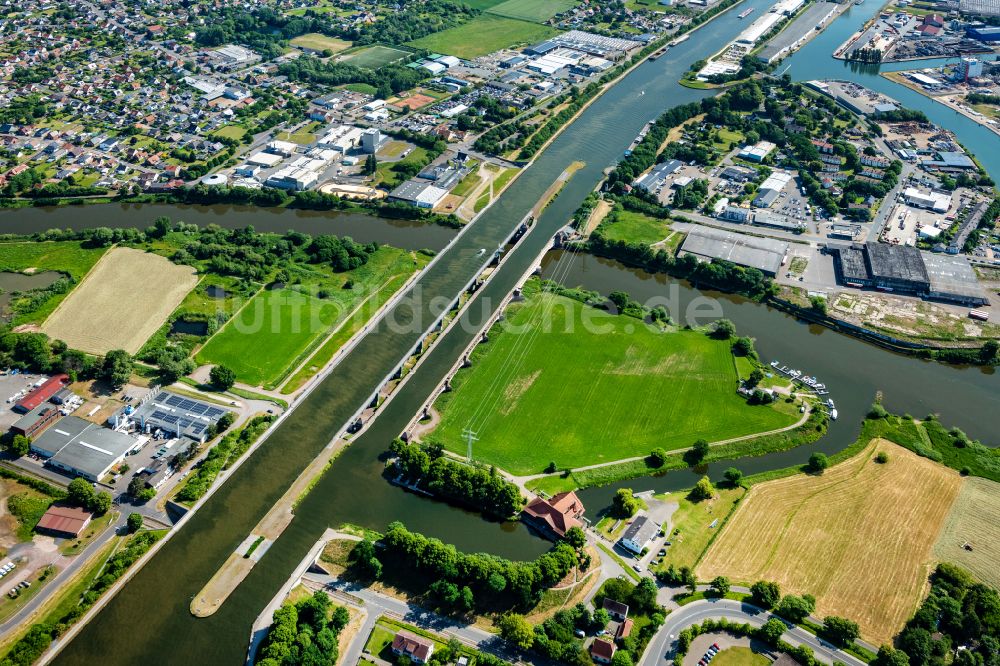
(907,270)
(82,448)
(764,254)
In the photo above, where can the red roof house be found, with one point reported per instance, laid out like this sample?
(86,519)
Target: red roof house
(416,648)
(602,651)
(555,515)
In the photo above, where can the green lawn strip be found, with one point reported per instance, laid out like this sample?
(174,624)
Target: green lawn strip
(349,328)
(690,531)
(810,431)
(617,558)
(501,180)
(685,599)
(381,638)
(466,184)
(279,327)
(633,388)
(484,34)
(252,395)
(68,257)
(482,202)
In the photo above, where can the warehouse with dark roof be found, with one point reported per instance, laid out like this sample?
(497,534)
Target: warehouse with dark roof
(907,270)
(896,267)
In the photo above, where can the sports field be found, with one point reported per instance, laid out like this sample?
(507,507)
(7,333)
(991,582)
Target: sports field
(319,42)
(125,298)
(538,11)
(578,386)
(858,537)
(278,328)
(484,34)
(373,57)
(974,521)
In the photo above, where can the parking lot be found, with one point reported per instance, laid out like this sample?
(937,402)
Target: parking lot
(13,387)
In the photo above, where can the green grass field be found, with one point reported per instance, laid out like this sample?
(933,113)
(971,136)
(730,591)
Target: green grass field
(373,57)
(230,132)
(593,388)
(538,11)
(635,227)
(279,328)
(319,42)
(484,34)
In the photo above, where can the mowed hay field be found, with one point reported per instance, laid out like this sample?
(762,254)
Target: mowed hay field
(858,538)
(557,388)
(484,34)
(125,298)
(974,520)
(532,10)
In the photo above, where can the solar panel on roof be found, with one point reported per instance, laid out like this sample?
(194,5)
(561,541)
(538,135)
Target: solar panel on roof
(173,400)
(214,412)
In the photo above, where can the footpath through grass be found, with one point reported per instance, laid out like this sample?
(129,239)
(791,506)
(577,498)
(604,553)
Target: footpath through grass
(578,386)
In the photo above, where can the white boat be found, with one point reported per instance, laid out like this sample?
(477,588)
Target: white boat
(833,414)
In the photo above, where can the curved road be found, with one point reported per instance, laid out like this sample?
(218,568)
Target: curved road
(659,649)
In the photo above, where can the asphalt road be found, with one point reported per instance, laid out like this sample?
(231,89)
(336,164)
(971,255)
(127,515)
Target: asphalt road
(661,647)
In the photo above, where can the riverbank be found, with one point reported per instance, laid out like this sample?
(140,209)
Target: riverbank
(902,79)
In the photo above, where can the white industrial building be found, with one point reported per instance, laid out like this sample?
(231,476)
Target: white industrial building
(291,178)
(757,152)
(341,138)
(421,195)
(939,202)
(435,68)
(266,160)
(759,28)
(283,148)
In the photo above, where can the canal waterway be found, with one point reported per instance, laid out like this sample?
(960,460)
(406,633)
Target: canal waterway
(152,610)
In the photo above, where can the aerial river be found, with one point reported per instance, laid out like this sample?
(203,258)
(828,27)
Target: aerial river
(149,622)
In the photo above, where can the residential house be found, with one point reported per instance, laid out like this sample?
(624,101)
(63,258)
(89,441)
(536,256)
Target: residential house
(554,516)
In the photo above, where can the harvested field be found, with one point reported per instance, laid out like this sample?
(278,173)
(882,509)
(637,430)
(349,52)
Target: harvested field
(974,520)
(122,302)
(858,538)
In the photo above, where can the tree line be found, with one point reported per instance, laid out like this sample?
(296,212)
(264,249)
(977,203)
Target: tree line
(474,487)
(459,582)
